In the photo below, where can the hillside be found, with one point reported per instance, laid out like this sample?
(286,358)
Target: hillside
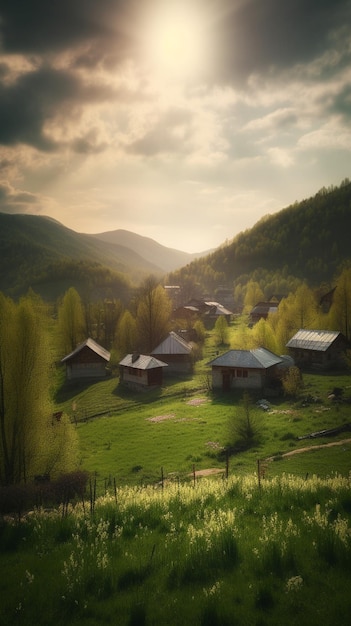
(165,258)
(41,253)
(309,240)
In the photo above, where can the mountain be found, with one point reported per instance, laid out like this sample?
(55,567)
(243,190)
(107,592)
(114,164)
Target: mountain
(167,259)
(41,253)
(309,240)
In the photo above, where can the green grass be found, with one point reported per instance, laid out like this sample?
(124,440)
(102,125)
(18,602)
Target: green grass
(222,552)
(155,430)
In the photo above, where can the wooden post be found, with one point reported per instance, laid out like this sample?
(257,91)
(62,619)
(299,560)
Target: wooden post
(115,489)
(259,473)
(194,475)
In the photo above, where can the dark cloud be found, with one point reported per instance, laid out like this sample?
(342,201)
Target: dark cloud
(39,26)
(341,105)
(258,36)
(37,97)
(15,201)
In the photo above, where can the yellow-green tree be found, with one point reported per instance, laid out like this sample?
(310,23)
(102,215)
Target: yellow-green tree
(126,334)
(253,295)
(340,312)
(221,331)
(71,321)
(31,440)
(153,315)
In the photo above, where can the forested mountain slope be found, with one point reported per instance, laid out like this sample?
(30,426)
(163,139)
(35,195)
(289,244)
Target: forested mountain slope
(165,258)
(309,240)
(38,250)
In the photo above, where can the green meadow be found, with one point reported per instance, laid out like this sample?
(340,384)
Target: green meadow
(178,533)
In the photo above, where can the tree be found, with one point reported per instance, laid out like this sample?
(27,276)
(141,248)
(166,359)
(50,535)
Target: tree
(71,321)
(244,428)
(153,315)
(31,441)
(254,294)
(126,334)
(221,331)
(340,312)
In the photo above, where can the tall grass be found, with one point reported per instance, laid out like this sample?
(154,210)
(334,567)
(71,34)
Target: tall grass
(217,552)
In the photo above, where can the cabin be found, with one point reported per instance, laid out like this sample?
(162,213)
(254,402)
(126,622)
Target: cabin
(261,311)
(176,352)
(246,369)
(318,349)
(209,311)
(88,360)
(141,371)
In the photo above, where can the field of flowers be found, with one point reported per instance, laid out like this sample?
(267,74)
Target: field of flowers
(214,552)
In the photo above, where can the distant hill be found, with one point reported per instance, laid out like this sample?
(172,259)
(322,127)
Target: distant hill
(309,240)
(41,253)
(165,258)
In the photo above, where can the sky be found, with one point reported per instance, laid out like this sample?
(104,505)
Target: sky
(185,121)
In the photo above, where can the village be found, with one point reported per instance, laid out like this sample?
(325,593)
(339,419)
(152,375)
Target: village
(249,369)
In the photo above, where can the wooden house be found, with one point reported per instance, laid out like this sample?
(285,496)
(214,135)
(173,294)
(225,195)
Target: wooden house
(141,371)
(176,352)
(209,311)
(261,311)
(318,349)
(245,369)
(88,360)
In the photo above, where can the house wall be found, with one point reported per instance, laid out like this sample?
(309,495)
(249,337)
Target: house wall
(231,378)
(134,377)
(333,357)
(177,363)
(86,364)
(86,370)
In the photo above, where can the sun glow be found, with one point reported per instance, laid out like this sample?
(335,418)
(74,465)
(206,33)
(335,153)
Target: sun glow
(175,42)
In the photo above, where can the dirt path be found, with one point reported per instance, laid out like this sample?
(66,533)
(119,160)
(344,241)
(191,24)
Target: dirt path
(309,448)
(216,470)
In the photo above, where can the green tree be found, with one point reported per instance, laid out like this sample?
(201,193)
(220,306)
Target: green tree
(126,334)
(31,440)
(221,331)
(244,428)
(340,312)
(71,321)
(254,294)
(153,315)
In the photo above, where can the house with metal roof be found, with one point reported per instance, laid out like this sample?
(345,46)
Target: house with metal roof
(141,371)
(318,349)
(261,311)
(245,369)
(88,360)
(176,352)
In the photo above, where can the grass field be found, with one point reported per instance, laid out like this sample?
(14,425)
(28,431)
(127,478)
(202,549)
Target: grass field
(132,437)
(209,551)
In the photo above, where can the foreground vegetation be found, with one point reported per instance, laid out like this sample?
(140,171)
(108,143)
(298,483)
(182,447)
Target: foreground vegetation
(215,552)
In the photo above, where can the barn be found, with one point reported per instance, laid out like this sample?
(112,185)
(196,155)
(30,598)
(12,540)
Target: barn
(176,352)
(88,360)
(318,349)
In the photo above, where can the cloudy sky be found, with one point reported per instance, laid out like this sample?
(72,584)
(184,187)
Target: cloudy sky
(181,120)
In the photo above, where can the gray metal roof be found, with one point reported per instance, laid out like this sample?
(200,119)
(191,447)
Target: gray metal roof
(319,340)
(142,362)
(93,346)
(173,344)
(260,358)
